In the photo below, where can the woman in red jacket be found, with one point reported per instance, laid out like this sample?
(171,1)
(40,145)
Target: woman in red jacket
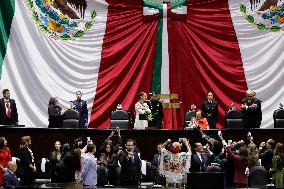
(5,157)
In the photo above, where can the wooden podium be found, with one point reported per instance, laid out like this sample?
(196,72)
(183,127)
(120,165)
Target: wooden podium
(170,100)
(171,105)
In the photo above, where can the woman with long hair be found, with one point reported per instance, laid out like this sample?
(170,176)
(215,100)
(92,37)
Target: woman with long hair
(241,162)
(109,160)
(54,114)
(27,168)
(278,166)
(54,161)
(5,157)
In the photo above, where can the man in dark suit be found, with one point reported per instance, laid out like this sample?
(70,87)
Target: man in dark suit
(10,179)
(201,158)
(210,110)
(157,157)
(81,107)
(266,152)
(157,111)
(158,179)
(251,110)
(8,110)
(130,165)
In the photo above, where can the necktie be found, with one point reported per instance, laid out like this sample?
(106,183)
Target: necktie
(202,158)
(132,159)
(202,163)
(8,109)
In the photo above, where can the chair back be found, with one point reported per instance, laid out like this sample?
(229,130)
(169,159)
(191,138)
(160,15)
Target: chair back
(195,180)
(234,119)
(278,117)
(258,177)
(71,119)
(188,116)
(119,118)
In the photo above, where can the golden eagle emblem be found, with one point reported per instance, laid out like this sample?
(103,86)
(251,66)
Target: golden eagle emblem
(62,19)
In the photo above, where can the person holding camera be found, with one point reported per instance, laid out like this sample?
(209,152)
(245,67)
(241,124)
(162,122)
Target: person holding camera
(108,162)
(114,138)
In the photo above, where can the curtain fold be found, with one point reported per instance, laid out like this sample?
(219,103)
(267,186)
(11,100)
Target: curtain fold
(7,8)
(127,60)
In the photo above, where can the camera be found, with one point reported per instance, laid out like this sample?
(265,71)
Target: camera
(115,130)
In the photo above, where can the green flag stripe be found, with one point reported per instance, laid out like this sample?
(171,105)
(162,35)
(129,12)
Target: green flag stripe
(156,77)
(178,3)
(7,8)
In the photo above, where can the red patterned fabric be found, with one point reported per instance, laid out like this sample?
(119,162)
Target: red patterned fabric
(204,56)
(5,157)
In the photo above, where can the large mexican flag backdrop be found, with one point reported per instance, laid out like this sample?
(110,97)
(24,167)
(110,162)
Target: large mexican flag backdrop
(112,49)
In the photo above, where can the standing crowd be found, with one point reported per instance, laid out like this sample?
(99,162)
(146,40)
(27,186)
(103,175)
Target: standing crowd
(242,162)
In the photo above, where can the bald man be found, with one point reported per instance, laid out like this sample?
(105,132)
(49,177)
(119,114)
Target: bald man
(10,179)
(251,110)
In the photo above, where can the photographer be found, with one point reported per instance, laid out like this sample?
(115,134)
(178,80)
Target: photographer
(108,164)
(114,139)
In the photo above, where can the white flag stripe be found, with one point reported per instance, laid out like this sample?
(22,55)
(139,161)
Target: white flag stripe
(150,11)
(180,10)
(165,70)
(263,61)
(37,67)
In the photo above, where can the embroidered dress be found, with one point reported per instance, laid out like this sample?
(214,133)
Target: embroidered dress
(174,169)
(140,119)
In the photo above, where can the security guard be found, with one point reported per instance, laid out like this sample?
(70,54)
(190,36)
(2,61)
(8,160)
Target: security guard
(156,108)
(81,107)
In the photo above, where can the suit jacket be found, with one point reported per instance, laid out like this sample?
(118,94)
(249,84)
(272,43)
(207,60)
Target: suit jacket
(156,160)
(266,158)
(130,169)
(10,180)
(54,117)
(24,171)
(81,107)
(4,120)
(89,171)
(157,111)
(200,166)
(210,111)
(252,117)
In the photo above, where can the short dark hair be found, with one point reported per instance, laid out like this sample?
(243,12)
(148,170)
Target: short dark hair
(131,140)
(5,91)
(90,147)
(78,92)
(195,144)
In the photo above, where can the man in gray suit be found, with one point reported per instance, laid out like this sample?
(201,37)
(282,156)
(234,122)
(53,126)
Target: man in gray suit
(89,171)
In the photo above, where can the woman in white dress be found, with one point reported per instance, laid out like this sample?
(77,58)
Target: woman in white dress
(174,164)
(142,110)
